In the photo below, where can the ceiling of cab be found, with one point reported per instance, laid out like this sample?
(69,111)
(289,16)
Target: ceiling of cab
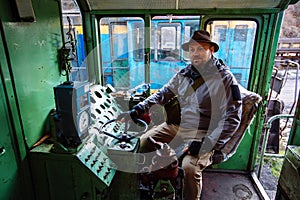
(178,4)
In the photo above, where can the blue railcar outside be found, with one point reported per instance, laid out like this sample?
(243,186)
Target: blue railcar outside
(123,60)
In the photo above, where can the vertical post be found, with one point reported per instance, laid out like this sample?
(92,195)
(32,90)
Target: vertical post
(147,47)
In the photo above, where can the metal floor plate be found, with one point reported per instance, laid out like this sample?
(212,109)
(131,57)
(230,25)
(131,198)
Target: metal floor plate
(228,186)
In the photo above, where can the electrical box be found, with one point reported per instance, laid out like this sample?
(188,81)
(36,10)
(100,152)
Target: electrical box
(85,174)
(73,112)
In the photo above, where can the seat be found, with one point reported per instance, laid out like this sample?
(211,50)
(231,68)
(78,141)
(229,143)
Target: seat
(250,102)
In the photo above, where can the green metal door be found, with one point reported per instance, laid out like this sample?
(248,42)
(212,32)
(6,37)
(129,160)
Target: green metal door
(8,164)
(8,161)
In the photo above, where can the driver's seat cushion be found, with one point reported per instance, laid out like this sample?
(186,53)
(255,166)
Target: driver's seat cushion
(250,102)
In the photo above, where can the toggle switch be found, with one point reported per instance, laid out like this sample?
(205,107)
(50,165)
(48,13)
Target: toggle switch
(93,163)
(99,169)
(106,175)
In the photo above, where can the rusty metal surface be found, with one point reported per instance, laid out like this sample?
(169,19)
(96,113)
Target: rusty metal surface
(228,186)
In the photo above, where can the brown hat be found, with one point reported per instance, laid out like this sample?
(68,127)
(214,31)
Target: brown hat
(200,36)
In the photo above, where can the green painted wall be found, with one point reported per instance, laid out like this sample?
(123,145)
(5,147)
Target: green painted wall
(294,138)
(29,71)
(32,48)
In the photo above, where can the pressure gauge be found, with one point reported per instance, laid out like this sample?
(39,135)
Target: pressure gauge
(84,121)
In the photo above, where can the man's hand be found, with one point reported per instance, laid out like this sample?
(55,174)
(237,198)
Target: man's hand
(217,157)
(126,116)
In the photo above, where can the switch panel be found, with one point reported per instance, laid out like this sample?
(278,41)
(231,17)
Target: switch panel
(103,108)
(97,161)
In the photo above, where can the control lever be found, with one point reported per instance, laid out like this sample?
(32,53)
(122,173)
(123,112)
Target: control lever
(164,160)
(124,136)
(156,144)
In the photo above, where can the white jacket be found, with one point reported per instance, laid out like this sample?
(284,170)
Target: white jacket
(214,106)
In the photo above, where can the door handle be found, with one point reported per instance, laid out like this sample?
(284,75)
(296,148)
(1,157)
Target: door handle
(2,151)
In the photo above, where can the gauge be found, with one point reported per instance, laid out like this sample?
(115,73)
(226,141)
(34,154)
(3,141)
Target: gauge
(72,101)
(84,121)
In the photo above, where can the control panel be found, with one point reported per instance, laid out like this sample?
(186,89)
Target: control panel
(97,161)
(83,156)
(104,108)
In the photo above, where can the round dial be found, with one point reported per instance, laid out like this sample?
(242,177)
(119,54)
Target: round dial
(84,120)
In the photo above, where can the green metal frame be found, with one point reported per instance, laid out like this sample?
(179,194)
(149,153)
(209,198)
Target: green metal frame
(29,69)
(294,138)
(268,26)
(15,173)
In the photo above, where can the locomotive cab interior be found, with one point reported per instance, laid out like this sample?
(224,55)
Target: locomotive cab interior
(91,60)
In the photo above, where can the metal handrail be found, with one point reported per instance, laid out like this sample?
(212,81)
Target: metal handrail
(267,125)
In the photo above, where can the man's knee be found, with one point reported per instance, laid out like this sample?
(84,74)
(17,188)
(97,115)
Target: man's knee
(145,146)
(190,165)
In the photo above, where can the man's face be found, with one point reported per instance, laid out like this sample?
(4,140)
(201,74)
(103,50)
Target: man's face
(200,53)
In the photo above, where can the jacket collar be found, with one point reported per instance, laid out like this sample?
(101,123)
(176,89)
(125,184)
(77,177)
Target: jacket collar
(212,67)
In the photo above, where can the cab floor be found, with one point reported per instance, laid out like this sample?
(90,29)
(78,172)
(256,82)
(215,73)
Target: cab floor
(228,186)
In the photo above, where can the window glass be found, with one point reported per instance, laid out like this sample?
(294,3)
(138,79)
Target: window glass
(236,41)
(220,32)
(119,42)
(169,41)
(168,37)
(240,32)
(122,51)
(138,41)
(190,27)
(168,33)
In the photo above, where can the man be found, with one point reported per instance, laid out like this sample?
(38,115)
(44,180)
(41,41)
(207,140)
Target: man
(210,109)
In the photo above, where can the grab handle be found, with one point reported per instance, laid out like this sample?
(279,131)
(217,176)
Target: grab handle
(2,151)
